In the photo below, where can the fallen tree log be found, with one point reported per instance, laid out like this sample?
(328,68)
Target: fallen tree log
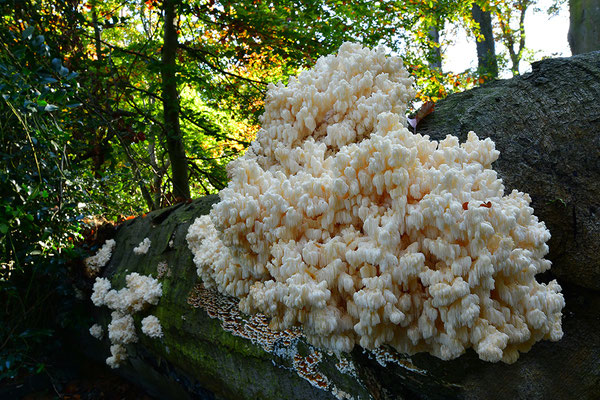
(546,125)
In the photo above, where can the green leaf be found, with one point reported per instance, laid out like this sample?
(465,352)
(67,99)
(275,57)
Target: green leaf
(49,79)
(40,368)
(50,108)
(28,32)
(56,63)
(39,40)
(34,193)
(3,229)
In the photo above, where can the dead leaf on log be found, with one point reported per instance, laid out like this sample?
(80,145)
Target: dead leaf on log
(426,109)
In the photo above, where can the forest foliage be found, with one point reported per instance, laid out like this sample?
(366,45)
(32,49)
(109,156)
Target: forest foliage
(82,115)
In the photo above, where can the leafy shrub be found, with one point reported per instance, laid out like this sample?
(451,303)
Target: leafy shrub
(41,197)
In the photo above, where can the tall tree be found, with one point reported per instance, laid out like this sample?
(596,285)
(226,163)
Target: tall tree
(421,27)
(487,64)
(170,98)
(435,56)
(511,21)
(584,26)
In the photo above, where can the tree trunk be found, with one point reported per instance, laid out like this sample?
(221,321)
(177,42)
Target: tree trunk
(487,64)
(435,55)
(584,26)
(545,125)
(170,96)
(97,37)
(514,39)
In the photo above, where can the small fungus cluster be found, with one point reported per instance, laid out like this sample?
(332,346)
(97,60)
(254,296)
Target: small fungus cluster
(341,220)
(140,291)
(142,247)
(151,327)
(97,331)
(101,258)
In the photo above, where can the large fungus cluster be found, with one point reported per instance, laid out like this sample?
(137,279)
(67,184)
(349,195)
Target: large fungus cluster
(341,220)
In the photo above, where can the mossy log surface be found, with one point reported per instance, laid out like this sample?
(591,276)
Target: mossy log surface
(548,134)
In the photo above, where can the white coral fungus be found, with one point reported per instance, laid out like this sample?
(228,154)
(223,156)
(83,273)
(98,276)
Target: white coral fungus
(96,331)
(100,290)
(140,291)
(119,354)
(121,329)
(143,247)
(99,260)
(339,219)
(151,327)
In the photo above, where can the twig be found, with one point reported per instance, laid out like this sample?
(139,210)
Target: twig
(196,53)
(37,163)
(214,134)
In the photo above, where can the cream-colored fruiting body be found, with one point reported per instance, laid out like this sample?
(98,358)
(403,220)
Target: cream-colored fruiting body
(121,329)
(118,355)
(96,331)
(151,327)
(99,260)
(339,219)
(141,290)
(142,247)
(101,287)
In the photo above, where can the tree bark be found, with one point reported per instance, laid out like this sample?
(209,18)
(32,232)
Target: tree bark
(435,56)
(170,96)
(545,125)
(487,64)
(584,26)
(97,37)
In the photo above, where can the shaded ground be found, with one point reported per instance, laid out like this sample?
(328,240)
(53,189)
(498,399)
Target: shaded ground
(77,379)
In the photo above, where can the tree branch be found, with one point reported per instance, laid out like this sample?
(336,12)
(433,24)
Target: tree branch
(218,185)
(136,170)
(209,132)
(198,54)
(127,51)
